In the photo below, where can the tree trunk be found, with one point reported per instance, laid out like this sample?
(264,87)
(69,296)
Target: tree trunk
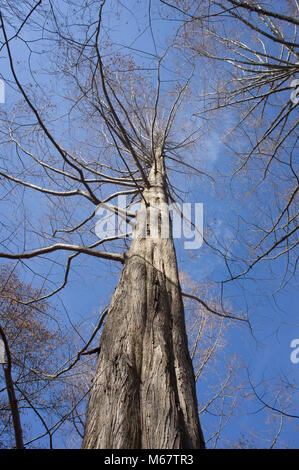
(143,394)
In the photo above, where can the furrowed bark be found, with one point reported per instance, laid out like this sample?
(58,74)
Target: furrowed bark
(143,394)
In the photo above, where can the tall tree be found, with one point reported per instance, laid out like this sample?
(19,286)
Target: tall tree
(114,120)
(144,379)
(144,369)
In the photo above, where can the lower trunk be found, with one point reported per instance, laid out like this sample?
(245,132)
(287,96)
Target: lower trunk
(143,393)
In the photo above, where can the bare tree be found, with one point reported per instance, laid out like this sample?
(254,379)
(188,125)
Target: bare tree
(117,127)
(29,343)
(144,379)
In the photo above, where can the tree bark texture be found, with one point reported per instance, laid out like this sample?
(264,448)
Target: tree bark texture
(143,394)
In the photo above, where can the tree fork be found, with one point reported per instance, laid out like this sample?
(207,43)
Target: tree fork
(143,394)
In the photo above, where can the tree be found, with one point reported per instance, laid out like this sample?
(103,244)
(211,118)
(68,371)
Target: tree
(144,350)
(118,128)
(254,50)
(34,407)
(144,367)
(30,343)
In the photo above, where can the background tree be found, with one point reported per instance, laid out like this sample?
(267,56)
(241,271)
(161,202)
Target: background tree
(39,342)
(31,343)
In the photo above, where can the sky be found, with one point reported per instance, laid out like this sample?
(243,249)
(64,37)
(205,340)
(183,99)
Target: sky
(265,352)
